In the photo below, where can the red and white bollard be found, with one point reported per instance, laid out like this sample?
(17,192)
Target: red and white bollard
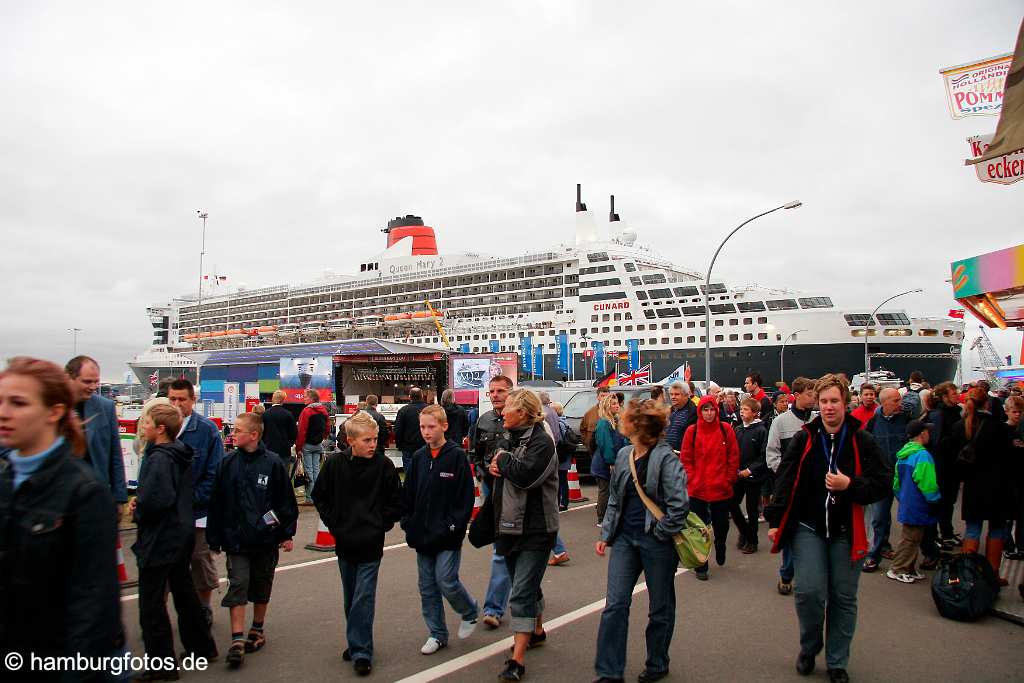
(575,492)
(323,542)
(478,499)
(122,570)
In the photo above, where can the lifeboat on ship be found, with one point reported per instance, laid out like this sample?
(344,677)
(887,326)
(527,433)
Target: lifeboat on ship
(368,322)
(339,325)
(288,330)
(267,331)
(397,319)
(312,327)
(234,334)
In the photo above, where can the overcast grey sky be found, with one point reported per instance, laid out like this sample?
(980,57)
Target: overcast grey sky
(302,127)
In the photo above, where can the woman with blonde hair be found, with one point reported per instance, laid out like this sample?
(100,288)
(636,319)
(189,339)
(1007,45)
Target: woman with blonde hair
(607,442)
(525,499)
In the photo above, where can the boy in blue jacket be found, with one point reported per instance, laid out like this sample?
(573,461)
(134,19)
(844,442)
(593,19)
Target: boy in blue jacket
(252,514)
(917,489)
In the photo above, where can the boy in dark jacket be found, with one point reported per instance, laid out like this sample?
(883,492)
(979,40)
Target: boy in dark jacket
(752,437)
(358,496)
(438,502)
(252,514)
(162,509)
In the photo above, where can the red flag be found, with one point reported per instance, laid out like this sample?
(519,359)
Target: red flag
(956,313)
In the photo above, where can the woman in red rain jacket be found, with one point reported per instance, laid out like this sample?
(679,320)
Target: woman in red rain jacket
(711,457)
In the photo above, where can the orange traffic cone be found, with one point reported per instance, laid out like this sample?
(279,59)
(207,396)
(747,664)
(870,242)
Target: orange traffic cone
(575,492)
(478,500)
(122,569)
(323,542)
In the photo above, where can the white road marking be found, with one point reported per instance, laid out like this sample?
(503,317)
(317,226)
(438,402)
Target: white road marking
(284,568)
(333,558)
(476,656)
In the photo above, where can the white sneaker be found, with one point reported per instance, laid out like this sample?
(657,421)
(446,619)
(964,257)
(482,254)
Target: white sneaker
(466,628)
(916,575)
(901,577)
(432,645)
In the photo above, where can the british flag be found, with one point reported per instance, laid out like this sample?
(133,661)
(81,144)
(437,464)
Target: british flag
(637,377)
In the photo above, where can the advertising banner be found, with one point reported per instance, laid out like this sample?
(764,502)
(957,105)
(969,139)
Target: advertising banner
(1004,170)
(538,360)
(230,401)
(471,374)
(598,347)
(494,346)
(311,372)
(633,348)
(562,352)
(464,347)
(976,89)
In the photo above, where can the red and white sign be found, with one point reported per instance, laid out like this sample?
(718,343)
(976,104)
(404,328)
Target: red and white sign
(251,403)
(1004,170)
(976,89)
(614,306)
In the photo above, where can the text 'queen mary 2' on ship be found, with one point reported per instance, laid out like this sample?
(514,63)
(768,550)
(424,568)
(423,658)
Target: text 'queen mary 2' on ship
(602,290)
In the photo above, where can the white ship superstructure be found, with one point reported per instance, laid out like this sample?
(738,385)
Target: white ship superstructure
(606,287)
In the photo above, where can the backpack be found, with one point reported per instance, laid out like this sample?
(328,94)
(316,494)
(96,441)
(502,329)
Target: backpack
(567,445)
(911,404)
(965,588)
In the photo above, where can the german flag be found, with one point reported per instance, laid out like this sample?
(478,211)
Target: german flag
(609,380)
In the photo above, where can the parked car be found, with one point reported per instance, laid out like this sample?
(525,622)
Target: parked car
(577,406)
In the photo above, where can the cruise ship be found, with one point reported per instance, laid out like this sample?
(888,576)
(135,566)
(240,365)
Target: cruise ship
(601,290)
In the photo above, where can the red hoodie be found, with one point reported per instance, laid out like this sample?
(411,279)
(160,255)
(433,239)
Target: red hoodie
(864,414)
(710,456)
(312,426)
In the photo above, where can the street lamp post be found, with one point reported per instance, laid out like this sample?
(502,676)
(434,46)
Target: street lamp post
(782,354)
(74,339)
(870,320)
(707,285)
(202,252)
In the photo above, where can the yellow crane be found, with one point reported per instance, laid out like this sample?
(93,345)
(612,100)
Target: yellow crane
(437,323)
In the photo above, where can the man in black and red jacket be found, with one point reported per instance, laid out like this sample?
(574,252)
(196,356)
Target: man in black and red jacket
(830,471)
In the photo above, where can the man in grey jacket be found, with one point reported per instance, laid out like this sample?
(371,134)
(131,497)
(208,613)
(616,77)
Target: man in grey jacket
(783,428)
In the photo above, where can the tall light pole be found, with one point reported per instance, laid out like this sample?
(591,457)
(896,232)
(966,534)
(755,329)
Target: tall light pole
(202,252)
(707,285)
(870,320)
(782,354)
(74,339)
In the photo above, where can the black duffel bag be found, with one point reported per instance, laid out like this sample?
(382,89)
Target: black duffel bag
(965,587)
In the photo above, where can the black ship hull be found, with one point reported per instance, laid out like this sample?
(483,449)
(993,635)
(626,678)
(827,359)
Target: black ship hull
(730,365)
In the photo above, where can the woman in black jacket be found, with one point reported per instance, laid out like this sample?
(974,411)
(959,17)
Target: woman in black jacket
(59,594)
(525,497)
(987,493)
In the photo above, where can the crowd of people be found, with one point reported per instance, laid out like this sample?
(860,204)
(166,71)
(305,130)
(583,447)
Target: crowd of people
(821,465)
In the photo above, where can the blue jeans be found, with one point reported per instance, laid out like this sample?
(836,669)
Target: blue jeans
(439,576)
(407,461)
(526,599)
(881,525)
(972,529)
(496,600)
(563,488)
(632,554)
(826,595)
(786,568)
(559,545)
(311,464)
(359,587)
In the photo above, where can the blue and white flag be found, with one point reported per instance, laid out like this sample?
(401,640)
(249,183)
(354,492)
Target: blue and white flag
(494,345)
(598,347)
(538,360)
(633,347)
(526,351)
(464,347)
(562,351)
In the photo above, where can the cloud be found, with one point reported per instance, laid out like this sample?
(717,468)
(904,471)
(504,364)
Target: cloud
(303,128)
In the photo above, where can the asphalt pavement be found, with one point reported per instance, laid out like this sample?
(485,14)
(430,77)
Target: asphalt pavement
(733,627)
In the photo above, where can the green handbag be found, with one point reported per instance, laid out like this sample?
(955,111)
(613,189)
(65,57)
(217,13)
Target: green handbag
(693,543)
